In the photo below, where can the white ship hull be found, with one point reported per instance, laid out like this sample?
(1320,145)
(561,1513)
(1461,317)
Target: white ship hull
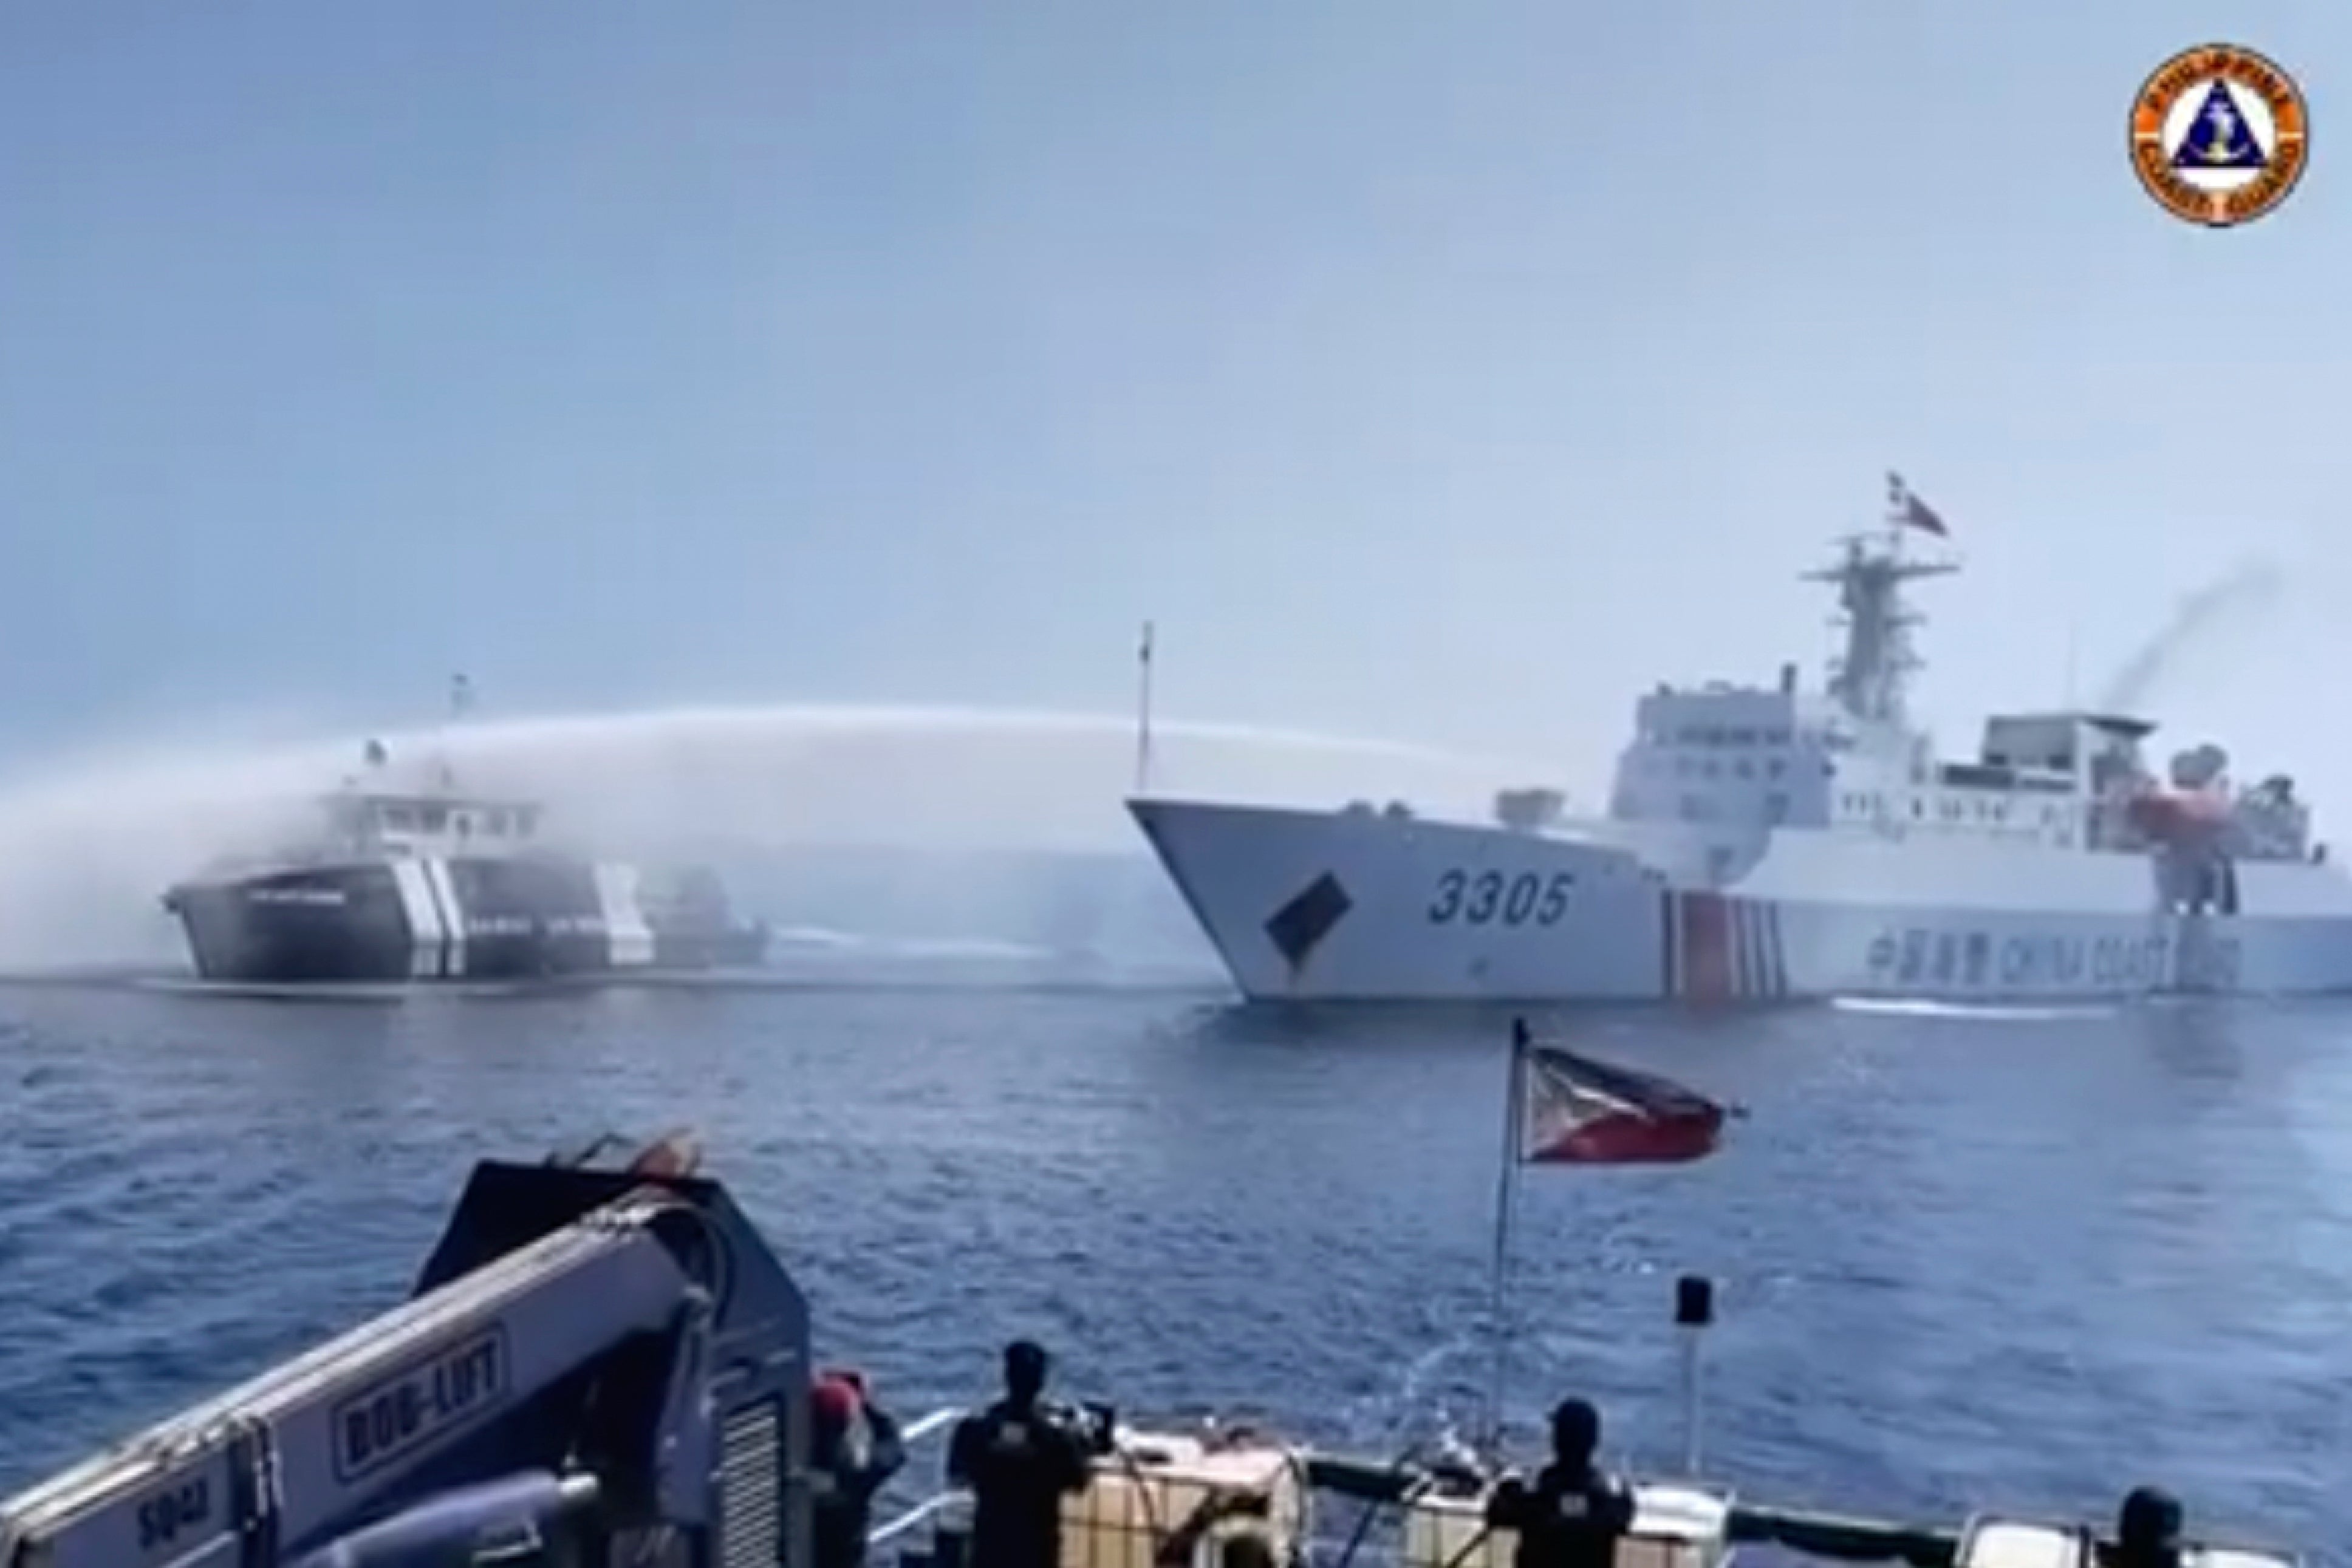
(1311,906)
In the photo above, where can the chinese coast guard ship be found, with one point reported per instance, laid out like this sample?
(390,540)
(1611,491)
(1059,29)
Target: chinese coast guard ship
(432,884)
(1769,841)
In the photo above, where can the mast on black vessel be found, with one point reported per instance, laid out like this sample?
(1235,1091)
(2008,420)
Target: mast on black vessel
(1869,676)
(461,703)
(1143,711)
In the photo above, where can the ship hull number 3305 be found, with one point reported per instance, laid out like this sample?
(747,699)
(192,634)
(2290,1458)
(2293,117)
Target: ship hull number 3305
(1488,897)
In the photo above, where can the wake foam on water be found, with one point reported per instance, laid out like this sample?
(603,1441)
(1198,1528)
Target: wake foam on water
(1922,1008)
(986,949)
(88,844)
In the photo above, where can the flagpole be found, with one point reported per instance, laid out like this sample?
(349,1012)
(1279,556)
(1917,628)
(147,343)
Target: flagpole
(1143,711)
(1506,1190)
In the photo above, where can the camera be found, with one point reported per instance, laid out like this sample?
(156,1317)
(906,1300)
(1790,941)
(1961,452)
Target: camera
(1089,1425)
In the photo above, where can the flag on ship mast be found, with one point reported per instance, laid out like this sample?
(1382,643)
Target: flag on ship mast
(1910,511)
(1564,1108)
(1575,1110)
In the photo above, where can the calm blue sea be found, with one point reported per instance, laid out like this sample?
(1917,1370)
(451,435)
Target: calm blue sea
(2028,1260)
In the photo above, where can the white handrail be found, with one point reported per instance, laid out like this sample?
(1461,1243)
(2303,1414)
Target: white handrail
(922,1426)
(910,1434)
(890,1529)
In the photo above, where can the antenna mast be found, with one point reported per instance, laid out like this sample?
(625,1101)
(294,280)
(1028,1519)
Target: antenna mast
(1869,676)
(1143,711)
(461,703)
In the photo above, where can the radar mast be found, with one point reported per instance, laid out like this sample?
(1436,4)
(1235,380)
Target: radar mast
(1869,677)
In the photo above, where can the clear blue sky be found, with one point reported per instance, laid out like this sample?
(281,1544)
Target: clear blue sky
(1441,372)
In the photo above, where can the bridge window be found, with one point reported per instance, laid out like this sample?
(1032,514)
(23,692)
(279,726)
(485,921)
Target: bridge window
(1745,768)
(435,818)
(1776,767)
(398,818)
(1776,806)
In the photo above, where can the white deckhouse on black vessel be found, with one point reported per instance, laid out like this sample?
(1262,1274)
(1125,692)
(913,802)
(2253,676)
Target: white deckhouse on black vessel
(1768,842)
(428,883)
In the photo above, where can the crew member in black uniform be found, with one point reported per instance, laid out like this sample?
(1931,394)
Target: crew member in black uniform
(1019,1457)
(2148,1530)
(1575,1512)
(853,1449)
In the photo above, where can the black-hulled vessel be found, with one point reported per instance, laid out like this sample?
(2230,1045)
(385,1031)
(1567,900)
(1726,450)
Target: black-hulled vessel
(439,885)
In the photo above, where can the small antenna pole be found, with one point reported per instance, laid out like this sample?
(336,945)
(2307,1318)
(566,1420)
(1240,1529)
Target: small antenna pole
(461,702)
(1143,711)
(1506,1192)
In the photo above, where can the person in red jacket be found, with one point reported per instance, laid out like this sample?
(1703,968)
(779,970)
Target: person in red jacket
(854,1449)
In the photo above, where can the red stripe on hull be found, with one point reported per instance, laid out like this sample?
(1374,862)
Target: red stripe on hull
(1707,967)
